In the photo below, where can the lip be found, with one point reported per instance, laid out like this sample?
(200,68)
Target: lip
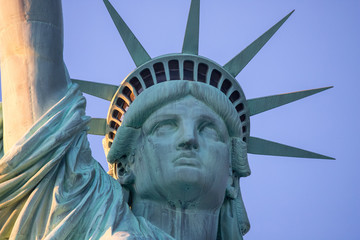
(187,159)
(190,162)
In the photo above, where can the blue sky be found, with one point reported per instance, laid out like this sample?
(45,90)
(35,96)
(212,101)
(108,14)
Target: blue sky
(286,198)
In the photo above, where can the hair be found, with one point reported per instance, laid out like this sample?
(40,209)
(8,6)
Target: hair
(126,139)
(150,100)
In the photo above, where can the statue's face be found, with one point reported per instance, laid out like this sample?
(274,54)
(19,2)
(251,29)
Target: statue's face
(185,158)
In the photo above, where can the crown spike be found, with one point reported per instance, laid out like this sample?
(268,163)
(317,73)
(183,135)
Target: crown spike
(191,40)
(262,104)
(100,90)
(97,126)
(265,147)
(235,65)
(136,50)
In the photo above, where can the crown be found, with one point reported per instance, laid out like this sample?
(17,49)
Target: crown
(189,66)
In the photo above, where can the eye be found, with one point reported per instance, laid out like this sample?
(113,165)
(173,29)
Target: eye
(164,127)
(210,131)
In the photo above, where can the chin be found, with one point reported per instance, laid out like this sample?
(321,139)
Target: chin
(188,186)
(189,175)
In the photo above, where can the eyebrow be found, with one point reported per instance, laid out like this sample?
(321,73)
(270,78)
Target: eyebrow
(213,119)
(203,116)
(162,116)
(149,123)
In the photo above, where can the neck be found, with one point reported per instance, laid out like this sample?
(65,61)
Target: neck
(181,223)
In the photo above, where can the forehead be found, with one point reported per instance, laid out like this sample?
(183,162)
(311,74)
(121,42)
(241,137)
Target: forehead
(188,107)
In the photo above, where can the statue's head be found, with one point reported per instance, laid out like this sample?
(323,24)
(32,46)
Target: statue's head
(181,142)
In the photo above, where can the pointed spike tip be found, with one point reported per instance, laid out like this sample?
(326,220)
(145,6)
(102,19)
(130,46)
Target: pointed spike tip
(262,104)
(237,64)
(289,14)
(265,147)
(191,39)
(136,50)
(323,88)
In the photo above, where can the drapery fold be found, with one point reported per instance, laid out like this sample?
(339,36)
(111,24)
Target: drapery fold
(52,188)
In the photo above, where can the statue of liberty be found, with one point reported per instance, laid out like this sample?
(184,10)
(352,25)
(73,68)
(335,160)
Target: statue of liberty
(176,137)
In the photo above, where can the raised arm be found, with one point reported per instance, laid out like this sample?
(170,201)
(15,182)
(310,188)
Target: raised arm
(33,75)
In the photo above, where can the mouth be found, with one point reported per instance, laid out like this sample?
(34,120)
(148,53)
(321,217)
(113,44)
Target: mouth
(187,159)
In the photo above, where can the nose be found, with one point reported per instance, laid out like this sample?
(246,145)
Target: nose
(188,139)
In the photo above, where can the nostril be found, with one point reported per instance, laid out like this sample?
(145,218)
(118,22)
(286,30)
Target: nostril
(185,145)
(189,145)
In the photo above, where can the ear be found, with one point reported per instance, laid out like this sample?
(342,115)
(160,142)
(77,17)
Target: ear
(239,161)
(124,173)
(231,189)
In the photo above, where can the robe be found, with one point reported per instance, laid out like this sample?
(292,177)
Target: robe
(52,188)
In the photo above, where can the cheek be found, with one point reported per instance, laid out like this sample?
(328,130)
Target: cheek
(155,154)
(217,163)
(160,148)
(218,156)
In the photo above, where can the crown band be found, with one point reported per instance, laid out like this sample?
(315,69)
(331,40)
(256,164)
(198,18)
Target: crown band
(180,67)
